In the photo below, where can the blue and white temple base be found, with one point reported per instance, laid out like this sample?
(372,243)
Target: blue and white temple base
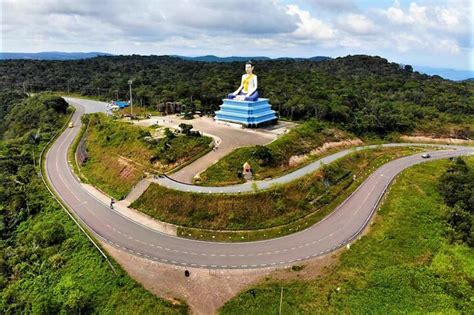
(248,113)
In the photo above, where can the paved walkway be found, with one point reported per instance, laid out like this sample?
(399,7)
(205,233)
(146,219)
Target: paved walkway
(137,191)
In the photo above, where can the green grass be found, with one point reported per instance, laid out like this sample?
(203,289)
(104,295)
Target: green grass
(119,155)
(404,264)
(299,141)
(437,128)
(276,207)
(138,111)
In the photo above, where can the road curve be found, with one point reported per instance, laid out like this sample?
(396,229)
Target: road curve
(339,228)
(250,186)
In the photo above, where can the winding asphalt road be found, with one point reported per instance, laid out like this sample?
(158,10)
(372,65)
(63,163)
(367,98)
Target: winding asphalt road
(250,186)
(339,228)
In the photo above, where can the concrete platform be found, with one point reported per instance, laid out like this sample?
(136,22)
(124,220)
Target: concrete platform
(247,113)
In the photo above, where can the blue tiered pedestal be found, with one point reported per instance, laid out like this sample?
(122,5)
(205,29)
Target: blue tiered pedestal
(247,113)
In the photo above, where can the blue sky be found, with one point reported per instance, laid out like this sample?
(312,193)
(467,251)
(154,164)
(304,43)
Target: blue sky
(435,33)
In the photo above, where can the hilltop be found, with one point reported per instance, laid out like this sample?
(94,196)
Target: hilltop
(366,95)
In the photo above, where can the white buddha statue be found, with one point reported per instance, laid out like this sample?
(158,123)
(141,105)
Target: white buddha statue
(247,90)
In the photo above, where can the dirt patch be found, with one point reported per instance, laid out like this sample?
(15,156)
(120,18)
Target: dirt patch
(312,269)
(426,139)
(298,159)
(424,259)
(127,170)
(205,291)
(163,167)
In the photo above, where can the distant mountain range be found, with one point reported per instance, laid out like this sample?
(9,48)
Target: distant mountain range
(450,74)
(52,55)
(212,58)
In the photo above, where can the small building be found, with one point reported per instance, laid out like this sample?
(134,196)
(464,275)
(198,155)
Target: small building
(120,104)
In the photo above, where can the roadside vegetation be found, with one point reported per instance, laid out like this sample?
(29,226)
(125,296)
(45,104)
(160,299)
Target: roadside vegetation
(47,266)
(407,263)
(290,151)
(269,208)
(120,153)
(457,188)
(137,111)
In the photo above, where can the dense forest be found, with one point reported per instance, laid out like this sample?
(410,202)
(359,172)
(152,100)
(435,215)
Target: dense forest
(47,266)
(362,94)
(457,188)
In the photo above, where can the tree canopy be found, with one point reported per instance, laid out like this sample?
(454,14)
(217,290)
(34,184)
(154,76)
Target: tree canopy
(363,94)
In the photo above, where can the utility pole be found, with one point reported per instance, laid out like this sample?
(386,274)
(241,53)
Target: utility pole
(131,99)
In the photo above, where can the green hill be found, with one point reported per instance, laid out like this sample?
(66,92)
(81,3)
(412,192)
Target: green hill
(362,94)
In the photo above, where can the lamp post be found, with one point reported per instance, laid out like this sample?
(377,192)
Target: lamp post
(131,99)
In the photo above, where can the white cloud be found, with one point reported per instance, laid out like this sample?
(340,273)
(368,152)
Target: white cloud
(442,28)
(439,32)
(309,27)
(357,24)
(334,5)
(453,18)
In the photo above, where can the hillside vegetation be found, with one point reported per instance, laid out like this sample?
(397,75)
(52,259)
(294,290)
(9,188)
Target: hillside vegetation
(262,209)
(406,263)
(119,153)
(457,188)
(362,94)
(47,266)
(289,151)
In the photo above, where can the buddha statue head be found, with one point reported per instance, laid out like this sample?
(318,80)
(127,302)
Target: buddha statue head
(249,67)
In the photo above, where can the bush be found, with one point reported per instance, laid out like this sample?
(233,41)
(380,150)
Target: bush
(263,154)
(48,233)
(57,103)
(185,128)
(457,187)
(461,222)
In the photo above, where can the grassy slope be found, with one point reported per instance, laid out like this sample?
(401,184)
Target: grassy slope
(138,111)
(274,207)
(300,140)
(71,276)
(119,157)
(404,264)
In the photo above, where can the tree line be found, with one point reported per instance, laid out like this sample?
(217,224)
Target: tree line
(363,94)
